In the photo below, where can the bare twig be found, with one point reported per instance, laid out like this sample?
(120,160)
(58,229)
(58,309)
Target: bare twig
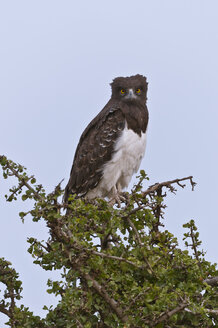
(168,184)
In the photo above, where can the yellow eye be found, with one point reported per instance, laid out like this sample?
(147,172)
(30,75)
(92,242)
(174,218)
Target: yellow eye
(138,91)
(122,91)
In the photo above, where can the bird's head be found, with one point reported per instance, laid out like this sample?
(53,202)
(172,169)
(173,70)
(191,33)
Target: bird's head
(130,89)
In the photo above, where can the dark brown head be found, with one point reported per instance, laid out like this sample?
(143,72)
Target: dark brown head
(130,89)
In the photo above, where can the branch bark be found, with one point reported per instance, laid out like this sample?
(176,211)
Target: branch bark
(4,310)
(169,314)
(103,293)
(121,259)
(213,281)
(168,184)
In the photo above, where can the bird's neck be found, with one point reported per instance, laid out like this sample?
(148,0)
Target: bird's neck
(136,116)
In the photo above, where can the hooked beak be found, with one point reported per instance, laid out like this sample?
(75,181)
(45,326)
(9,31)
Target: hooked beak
(130,94)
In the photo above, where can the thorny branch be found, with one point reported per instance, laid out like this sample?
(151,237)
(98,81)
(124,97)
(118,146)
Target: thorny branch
(156,190)
(168,184)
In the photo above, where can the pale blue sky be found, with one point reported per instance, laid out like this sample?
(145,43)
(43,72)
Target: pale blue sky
(57,59)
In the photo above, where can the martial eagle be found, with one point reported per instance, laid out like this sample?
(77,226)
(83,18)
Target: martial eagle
(112,146)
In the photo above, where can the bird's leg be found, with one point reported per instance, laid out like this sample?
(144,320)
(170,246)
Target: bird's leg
(118,188)
(122,194)
(116,196)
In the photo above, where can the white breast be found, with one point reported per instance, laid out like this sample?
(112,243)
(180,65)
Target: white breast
(129,151)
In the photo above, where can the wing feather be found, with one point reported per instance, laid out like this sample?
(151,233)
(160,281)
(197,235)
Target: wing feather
(95,148)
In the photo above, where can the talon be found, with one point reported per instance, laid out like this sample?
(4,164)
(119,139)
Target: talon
(117,198)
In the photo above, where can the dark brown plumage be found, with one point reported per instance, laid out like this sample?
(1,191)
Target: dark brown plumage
(98,144)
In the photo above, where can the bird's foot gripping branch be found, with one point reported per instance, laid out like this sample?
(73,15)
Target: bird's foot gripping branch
(119,267)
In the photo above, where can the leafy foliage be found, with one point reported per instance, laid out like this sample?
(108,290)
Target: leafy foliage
(120,267)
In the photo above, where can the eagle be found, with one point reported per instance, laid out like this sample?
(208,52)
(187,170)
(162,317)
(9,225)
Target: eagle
(113,144)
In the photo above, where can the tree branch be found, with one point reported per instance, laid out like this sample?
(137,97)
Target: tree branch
(135,231)
(168,314)
(212,281)
(4,310)
(194,246)
(76,265)
(212,311)
(121,259)
(168,184)
(103,293)
(24,182)
(139,241)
